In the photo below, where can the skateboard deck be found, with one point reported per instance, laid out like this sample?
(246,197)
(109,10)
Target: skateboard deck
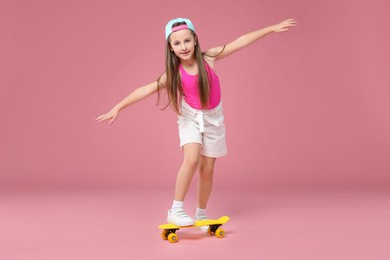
(169,230)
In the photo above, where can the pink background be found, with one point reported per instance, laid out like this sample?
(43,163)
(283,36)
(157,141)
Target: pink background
(307,108)
(307,115)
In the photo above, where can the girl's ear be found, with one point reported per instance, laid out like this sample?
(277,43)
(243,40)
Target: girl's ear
(196,39)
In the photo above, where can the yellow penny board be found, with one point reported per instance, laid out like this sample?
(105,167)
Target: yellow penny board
(169,230)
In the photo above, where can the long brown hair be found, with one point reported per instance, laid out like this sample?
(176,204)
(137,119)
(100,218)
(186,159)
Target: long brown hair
(173,82)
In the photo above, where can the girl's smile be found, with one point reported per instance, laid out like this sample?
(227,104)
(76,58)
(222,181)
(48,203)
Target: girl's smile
(183,44)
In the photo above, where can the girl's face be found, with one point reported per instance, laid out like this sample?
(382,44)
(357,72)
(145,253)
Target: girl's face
(183,44)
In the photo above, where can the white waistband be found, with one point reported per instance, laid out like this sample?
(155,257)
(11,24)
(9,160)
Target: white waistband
(202,115)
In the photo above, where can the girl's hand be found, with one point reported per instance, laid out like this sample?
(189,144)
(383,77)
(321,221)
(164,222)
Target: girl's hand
(111,115)
(283,26)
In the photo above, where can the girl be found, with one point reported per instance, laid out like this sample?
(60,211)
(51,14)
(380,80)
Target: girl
(194,94)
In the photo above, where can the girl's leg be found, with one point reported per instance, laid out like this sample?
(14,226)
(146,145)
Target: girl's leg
(206,170)
(177,215)
(187,170)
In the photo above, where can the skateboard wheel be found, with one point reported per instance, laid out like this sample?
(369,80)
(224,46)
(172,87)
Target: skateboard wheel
(219,233)
(164,235)
(210,231)
(172,238)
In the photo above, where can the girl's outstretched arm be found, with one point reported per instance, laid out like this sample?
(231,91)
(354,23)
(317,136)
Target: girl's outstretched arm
(247,39)
(135,96)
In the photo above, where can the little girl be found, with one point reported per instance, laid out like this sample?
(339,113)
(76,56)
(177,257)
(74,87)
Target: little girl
(194,94)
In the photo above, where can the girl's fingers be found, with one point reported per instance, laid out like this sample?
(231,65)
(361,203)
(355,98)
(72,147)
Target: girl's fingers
(102,118)
(289,22)
(106,117)
(292,22)
(283,26)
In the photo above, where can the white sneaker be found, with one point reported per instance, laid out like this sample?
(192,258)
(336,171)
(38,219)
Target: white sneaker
(180,218)
(204,229)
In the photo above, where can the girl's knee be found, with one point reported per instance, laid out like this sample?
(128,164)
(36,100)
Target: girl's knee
(191,155)
(192,160)
(206,170)
(207,165)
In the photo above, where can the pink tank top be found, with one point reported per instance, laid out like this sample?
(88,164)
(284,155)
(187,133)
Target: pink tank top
(191,88)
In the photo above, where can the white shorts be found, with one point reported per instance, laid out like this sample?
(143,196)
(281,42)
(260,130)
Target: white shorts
(204,127)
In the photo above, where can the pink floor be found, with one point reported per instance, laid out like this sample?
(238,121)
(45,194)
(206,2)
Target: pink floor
(120,225)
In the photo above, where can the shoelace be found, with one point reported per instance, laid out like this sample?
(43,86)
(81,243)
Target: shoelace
(181,214)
